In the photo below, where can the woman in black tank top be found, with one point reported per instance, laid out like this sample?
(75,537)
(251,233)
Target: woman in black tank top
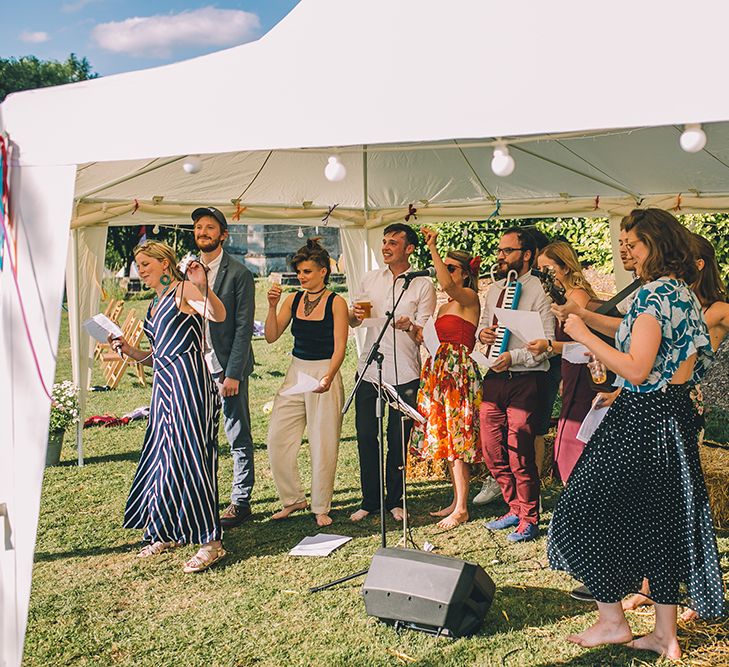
(320,324)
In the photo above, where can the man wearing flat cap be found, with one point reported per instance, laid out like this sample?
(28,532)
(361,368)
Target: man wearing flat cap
(228,352)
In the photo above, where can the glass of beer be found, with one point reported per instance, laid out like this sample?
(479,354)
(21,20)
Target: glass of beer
(364,302)
(597,370)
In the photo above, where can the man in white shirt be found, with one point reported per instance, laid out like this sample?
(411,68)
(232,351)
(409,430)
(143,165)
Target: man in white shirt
(511,392)
(401,366)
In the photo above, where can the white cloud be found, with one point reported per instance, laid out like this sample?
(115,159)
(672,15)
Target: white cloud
(33,37)
(70,7)
(158,36)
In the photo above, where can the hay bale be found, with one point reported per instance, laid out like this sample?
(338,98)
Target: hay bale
(715,464)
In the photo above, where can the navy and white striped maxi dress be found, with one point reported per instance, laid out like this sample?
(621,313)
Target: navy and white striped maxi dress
(174,496)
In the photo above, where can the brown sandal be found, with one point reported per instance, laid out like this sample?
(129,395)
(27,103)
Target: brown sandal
(206,556)
(155,549)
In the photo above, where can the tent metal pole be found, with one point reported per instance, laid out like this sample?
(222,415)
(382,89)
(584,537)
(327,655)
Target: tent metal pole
(81,381)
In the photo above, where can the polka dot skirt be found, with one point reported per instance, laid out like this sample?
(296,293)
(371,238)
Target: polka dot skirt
(636,506)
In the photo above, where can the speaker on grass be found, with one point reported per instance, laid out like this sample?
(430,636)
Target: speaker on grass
(427,592)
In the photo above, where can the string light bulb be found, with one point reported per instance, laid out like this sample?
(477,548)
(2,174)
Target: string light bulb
(300,233)
(335,171)
(192,164)
(502,164)
(693,138)
(155,229)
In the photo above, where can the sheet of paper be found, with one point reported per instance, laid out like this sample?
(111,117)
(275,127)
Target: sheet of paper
(319,545)
(304,383)
(394,399)
(430,337)
(575,353)
(590,423)
(100,326)
(527,324)
(480,358)
(373,322)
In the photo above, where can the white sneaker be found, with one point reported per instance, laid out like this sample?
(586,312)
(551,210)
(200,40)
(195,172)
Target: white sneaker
(489,491)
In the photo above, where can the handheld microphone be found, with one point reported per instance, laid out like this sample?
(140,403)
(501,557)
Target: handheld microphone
(424,273)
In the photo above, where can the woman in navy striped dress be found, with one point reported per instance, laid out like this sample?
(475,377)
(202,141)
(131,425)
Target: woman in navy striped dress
(174,496)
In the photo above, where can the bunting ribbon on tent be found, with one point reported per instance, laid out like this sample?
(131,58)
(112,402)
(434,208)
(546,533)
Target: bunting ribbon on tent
(4,195)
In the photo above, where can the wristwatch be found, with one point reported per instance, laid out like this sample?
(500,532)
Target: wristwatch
(550,349)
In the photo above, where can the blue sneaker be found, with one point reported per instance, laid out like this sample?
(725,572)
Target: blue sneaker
(524,533)
(507,521)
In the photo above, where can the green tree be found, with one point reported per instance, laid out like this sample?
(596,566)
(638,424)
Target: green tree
(30,72)
(121,241)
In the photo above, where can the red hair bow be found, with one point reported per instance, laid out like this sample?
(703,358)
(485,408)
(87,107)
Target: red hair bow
(475,265)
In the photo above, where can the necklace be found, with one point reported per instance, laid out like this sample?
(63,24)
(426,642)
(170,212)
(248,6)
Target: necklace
(309,306)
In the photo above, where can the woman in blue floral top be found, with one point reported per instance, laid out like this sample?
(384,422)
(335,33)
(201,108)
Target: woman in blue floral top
(636,506)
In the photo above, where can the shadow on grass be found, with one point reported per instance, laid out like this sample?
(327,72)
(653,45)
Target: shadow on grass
(45,556)
(605,655)
(104,458)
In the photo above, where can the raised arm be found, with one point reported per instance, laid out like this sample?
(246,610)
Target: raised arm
(463,295)
(276,322)
(196,295)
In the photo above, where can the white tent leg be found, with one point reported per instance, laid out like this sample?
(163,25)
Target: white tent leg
(623,278)
(84,273)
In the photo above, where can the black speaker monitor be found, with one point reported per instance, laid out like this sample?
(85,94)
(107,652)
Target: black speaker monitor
(427,592)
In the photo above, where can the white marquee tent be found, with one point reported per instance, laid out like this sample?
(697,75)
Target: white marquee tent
(412,94)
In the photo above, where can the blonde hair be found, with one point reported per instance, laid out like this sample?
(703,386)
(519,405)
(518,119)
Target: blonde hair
(566,258)
(160,251)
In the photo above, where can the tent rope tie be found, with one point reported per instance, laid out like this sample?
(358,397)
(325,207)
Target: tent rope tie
(6,242)
(497,211)
(597,203)
(325,219)
(238,211)
(678,203)
(136,206)
(411,213)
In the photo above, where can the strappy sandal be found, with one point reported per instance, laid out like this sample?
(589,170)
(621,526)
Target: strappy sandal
(155,549)
(206,556)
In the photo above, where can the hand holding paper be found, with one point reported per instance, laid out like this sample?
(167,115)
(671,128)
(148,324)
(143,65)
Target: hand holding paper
(526,324)
(101,327)
(304,384)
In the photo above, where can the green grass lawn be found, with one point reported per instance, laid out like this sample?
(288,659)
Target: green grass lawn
(94,603)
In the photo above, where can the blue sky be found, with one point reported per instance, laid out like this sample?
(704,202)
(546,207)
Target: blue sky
(122,35)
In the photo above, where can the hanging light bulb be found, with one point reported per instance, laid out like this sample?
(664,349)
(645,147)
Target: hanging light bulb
(300,233)
(693,138)
(155,229)
(502,164)
(316,230)
(335,171)
(192,164)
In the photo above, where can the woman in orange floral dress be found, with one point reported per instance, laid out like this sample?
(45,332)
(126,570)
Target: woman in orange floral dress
(450,384)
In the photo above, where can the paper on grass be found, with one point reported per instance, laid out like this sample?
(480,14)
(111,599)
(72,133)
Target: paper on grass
(371,322)
(591,422)
(430,338)
(481,359)
(304,383)
(527,324)
(100,326)
(575,353)
(319,545)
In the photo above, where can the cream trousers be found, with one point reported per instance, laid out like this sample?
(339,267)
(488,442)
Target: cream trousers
(321,416)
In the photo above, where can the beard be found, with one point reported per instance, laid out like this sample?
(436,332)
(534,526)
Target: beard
(207,244)
(505,267)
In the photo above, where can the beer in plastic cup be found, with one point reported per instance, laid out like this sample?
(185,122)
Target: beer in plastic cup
(364,302)
(597,370)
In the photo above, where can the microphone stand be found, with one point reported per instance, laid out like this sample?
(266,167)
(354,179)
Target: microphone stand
(376,356)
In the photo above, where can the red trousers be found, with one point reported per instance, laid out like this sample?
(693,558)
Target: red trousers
(508,419)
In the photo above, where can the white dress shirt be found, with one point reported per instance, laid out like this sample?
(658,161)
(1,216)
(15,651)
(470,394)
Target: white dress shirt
(532,298)
(418,303)
(210,358)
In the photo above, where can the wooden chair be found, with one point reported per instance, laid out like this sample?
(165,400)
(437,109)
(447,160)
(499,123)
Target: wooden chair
(113,365)
(113,311)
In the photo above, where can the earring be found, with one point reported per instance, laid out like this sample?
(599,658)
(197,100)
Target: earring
(165,279)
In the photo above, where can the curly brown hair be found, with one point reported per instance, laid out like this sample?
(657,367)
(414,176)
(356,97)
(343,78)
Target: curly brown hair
(313,251)
(671,247)
(709,286)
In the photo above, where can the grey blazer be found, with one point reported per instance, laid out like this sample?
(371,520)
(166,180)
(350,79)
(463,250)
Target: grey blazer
(235,287)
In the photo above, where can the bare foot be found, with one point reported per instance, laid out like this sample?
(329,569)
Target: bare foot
(323,520)
(688,616)
(452,520)
(665,647)
(446,511)
(359,515)
(288,510)
(397,514)
(603,633)
(635,601)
